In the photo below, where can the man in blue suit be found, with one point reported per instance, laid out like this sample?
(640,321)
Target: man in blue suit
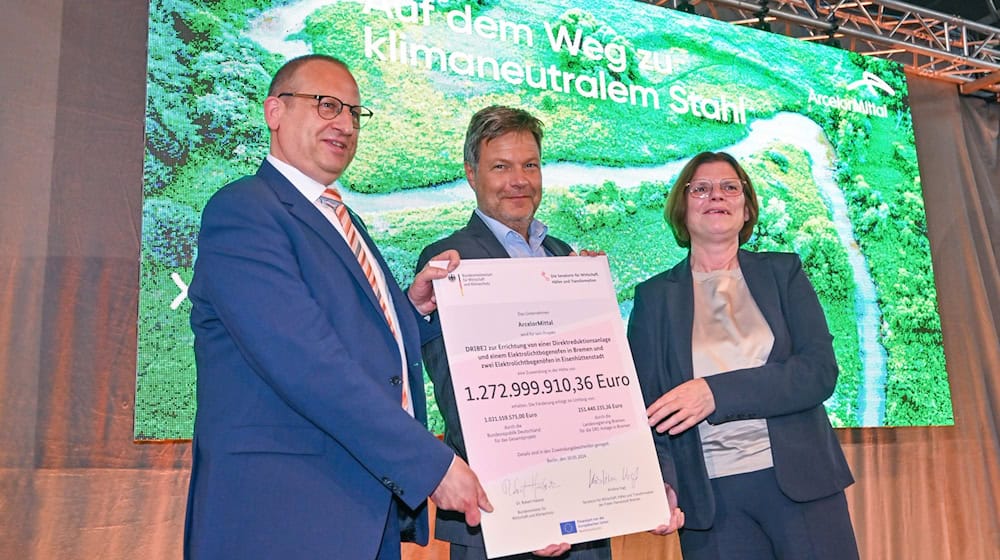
(308,442)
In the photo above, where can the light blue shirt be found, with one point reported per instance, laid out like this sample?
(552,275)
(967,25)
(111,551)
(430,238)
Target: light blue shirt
(515,245)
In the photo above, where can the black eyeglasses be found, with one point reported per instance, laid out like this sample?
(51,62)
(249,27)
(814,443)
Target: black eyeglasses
(329,107)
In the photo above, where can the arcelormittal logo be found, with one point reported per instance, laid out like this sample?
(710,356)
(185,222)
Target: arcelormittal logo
(856,103)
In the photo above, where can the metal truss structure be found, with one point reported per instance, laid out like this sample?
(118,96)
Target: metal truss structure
(925,42)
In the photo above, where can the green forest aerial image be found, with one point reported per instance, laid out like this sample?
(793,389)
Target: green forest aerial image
(628,92)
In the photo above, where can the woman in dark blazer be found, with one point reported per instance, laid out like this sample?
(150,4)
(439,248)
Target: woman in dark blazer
(735,359)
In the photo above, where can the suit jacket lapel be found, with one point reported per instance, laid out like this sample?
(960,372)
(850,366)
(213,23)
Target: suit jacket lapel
(680,308)
(483,235)
(552,247)
(764,290)
(757,277)
(307,212)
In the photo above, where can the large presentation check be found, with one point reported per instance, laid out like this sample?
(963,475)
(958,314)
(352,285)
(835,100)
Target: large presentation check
(552,414)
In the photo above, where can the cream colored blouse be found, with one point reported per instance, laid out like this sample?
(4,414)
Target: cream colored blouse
(730,333)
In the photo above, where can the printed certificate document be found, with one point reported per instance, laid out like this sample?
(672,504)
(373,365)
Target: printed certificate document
(552,414)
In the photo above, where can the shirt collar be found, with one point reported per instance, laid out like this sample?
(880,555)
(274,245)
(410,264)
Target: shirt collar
(309,187)
(536,230)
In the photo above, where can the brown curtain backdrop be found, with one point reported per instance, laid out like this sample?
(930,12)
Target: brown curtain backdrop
(73,484)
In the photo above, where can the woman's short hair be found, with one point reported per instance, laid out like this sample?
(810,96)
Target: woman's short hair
(675,212)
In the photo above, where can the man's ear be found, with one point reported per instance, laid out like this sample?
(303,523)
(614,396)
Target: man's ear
(470,175)
(273,108)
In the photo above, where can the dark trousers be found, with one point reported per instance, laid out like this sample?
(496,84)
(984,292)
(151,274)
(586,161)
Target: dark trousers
(754,520)
(596,550)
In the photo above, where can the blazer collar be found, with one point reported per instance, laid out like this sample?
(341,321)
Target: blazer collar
(759,276)
(679,299)
(307,212)
(483,235)
(554,248)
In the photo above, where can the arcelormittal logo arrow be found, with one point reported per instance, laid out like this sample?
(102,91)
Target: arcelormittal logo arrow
(871,81)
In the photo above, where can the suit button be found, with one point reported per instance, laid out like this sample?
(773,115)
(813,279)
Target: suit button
(396,380)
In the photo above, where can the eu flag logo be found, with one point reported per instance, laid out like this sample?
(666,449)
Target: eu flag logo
(567,527)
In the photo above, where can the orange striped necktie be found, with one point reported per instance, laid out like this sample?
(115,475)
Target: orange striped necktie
(331,199)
